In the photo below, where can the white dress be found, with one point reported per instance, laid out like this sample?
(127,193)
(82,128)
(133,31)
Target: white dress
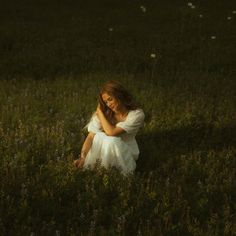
(120,151)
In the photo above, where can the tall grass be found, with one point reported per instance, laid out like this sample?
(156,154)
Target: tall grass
(55,55)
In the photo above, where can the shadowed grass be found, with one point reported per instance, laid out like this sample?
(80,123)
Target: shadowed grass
(55,55)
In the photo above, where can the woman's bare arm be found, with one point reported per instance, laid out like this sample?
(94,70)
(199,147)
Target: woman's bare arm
(84,151)
(109,129)
(87,145)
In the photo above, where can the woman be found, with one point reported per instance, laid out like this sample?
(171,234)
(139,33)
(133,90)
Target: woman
(112,129)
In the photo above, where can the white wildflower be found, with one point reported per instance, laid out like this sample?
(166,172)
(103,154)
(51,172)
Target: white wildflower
(110,29)
(193,7)
(144,9)
(229,18)
(58,233)
(190,4)
(200,15)
(234,12)
(82,216)
(153,55)
(213,37)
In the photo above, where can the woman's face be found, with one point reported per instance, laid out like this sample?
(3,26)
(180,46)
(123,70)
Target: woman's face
(110,101)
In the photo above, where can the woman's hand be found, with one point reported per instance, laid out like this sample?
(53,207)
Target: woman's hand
(79,162)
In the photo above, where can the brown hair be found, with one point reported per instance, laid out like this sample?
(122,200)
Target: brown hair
(117,90)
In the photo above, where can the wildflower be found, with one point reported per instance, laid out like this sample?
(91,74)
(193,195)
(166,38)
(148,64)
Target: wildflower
(193,7)
(213,37)
(144,9)
(229,18)
(234,12)
(111,29)
(152,195)
(153,55)
(139,233)
(58,233)
(92,226)
(23,189)
(200,15)
(82,216)
(105,180)
(190,4)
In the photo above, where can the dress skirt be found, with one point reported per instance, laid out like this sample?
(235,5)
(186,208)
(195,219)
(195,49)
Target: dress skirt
(110,151)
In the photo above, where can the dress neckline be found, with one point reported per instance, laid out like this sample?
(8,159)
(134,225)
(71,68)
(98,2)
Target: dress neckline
(125,117)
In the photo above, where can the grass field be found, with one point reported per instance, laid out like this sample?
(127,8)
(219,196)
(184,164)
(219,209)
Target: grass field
(179,63)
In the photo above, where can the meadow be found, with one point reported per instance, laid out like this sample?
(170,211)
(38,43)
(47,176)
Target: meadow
(178,59)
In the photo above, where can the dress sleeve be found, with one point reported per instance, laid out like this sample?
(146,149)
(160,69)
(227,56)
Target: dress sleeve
(94,124)
(133,122)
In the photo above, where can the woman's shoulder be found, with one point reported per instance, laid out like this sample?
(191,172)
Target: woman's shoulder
(138,112)
(94,117)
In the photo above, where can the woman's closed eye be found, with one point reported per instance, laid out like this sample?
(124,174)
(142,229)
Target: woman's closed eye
(108,100)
